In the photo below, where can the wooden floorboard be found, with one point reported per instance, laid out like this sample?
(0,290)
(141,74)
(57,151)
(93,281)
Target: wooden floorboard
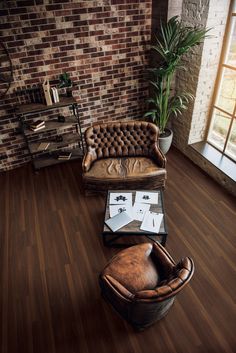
(52,254)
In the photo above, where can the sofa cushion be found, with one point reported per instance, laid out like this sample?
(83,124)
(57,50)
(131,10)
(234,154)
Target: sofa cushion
(124,168)
(133,268)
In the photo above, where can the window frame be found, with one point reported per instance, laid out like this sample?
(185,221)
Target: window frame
(222,65)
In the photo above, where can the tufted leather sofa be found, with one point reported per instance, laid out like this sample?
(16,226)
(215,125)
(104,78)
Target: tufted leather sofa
(123,155)
(141,282)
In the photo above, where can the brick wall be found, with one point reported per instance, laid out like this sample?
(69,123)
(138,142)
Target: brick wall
(103,44)
(174,8)
(193,12)
(216,20)
(199,79)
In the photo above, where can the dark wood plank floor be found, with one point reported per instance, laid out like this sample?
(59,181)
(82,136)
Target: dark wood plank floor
(52,253)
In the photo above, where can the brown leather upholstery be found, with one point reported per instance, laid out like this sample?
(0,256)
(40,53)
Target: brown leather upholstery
(141,282)
(123,154)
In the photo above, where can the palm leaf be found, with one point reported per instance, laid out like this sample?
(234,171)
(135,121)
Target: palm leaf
(174,40)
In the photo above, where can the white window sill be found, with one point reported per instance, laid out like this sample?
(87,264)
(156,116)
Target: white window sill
(221,162)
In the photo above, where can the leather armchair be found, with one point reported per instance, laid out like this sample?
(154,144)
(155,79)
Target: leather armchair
(123,155)
(141,282)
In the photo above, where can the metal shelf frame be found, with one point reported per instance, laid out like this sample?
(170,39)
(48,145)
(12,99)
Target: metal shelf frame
(25,110)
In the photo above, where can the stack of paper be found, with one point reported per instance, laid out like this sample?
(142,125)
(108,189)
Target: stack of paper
(120,208)
(120,202)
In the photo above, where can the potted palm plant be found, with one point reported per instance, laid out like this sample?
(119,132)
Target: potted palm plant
(65,82)
(174,41)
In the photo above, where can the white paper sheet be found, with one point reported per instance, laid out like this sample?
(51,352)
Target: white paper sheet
(139,210)
(152,222)
(146,197)
(120,198)
(118,221)
(115,209)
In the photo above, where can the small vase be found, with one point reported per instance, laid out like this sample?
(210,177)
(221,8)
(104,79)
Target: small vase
(166,140)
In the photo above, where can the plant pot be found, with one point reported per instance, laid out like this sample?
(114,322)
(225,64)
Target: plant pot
(69,91)
(165,140)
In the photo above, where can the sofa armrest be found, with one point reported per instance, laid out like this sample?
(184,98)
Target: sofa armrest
(87,161)
(117,288)
(159,157)
(163,260)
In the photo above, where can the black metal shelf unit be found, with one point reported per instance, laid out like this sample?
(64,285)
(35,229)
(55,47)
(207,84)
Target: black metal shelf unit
(53,133)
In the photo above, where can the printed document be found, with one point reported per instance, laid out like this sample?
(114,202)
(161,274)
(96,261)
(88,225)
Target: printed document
(152,222)
(146,197)
(139,210)
(115,209)
(120,198)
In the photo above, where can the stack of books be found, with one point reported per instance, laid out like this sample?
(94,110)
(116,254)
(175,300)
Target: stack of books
(37,125)
(43,146)
(64,156)
(55,95)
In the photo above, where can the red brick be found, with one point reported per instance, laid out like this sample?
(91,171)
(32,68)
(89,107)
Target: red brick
(17,11)
(103,14)
(42,46)
(17,43)
(95,55)
(110,20)
(28,16)
(105,58)
(95,22)
(96,33)
(118,35)
(47,27)
(28,59)
(57,32)
(78,11)
(67,59)
(41,21)
(53,7)
(57,44)
(94,9)
(30,29)
(104,37)
(49,39)
(90,50)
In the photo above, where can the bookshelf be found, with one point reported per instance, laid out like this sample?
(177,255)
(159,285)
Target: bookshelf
(58,136)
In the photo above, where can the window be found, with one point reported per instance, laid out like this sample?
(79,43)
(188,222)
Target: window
(222,130)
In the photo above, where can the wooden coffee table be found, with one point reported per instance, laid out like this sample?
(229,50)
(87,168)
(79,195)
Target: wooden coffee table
(132,230)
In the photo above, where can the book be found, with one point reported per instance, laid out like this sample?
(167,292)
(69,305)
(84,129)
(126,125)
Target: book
(152,222)
(55,96)
(37,128)
(64,155)
(43,146)
(46,91)
(37,124)
(118,221)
